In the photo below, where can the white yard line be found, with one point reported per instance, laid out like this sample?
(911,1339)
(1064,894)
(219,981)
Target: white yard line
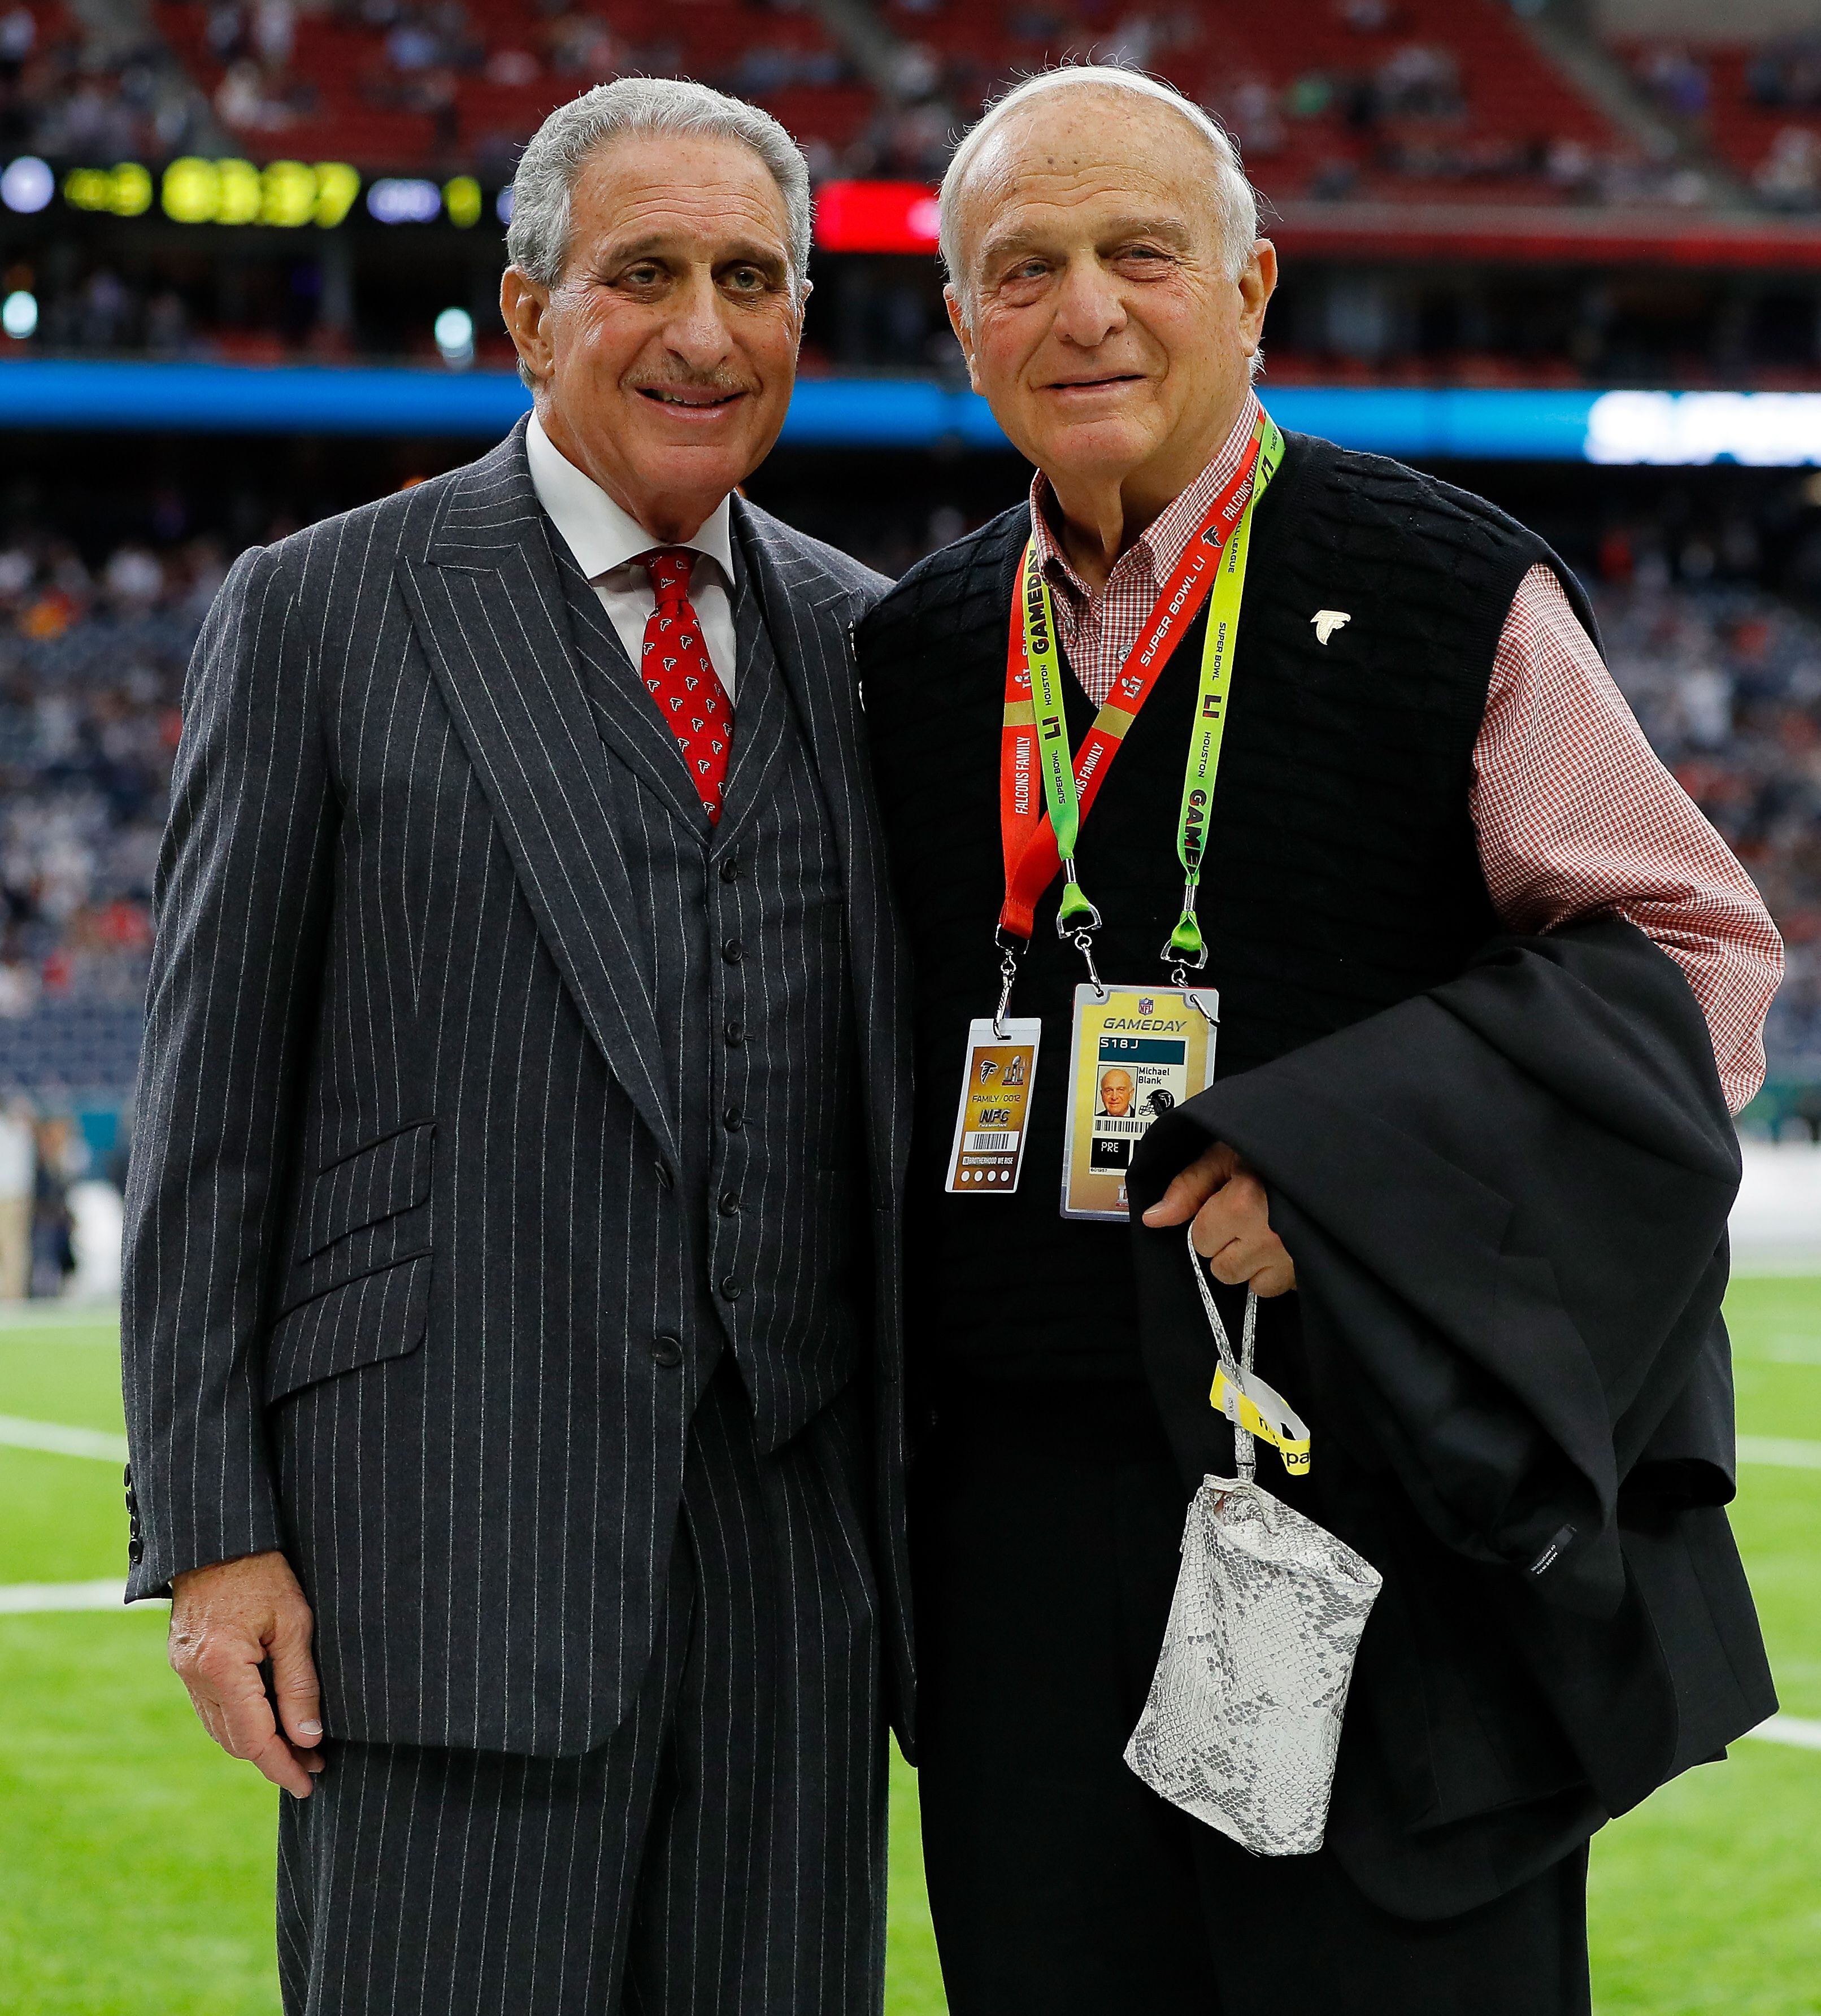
(18,1599)
(60,1439)
(58,1315)
(1778,1449)
(1798,1731)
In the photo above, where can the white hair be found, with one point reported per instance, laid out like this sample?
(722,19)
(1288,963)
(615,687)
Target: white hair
(537,240)
(1236,201)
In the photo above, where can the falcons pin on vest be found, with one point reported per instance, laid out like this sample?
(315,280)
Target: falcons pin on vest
(1327,621)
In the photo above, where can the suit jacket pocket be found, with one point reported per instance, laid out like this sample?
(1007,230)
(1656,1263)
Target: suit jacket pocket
(386,1177)
(378,1315)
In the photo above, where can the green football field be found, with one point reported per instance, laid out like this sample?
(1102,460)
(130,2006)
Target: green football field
(135,1862)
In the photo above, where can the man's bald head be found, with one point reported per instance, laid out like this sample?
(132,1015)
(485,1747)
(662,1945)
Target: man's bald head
(1127,112)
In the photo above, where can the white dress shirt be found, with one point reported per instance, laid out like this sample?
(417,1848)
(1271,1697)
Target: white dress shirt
(606,539)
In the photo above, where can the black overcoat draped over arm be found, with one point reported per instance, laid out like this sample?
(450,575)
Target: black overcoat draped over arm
(1506,1199)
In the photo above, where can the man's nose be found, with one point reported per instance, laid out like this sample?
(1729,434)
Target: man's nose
(696,331)
(1088,306)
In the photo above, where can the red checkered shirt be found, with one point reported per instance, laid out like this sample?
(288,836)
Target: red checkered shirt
(1575,816)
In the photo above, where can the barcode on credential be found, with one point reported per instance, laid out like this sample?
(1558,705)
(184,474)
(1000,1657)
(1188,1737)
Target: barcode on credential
(991,1144)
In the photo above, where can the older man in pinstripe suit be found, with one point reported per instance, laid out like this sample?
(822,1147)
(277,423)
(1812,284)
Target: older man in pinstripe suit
(512,1336)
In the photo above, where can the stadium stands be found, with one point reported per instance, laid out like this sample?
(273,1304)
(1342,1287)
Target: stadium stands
(91,671)
(1337,98)
(396,86)
(1759,108)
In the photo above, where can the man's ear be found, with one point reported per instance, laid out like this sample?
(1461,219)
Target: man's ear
(523,303)
(957,321)
(1257,284)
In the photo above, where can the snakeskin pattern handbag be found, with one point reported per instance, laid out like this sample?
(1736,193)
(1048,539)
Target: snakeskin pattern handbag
(1243,1720)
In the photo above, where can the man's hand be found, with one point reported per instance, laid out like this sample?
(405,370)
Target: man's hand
(227,1622)
(1232,1222)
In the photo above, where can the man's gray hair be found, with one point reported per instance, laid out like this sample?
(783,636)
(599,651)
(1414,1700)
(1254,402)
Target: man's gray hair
(537,240)
(1235,201)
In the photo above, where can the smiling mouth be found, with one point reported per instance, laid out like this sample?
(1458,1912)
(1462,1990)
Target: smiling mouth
(692,398)
(1094,384)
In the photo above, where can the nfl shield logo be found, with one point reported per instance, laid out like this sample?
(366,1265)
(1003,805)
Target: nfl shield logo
(1146,1005)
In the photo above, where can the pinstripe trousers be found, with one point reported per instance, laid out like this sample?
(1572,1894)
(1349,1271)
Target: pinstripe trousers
(722,1855)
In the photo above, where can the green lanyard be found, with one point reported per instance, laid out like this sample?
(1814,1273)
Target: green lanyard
(1187,946)
(1063,794)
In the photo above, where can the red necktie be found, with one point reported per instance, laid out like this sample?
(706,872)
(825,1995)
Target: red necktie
(680,678)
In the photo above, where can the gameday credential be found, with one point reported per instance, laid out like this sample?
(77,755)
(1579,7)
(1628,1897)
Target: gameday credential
(1134,1054)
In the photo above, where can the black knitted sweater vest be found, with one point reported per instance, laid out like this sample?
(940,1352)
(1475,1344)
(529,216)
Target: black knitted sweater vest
(1341,875)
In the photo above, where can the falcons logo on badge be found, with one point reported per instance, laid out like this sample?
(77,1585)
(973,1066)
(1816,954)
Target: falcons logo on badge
(1327,621)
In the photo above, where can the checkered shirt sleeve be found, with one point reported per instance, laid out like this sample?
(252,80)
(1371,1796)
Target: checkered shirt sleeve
(1577,818)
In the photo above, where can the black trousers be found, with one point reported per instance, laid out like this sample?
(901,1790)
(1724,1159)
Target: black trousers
(723,1855)
(1045,1531)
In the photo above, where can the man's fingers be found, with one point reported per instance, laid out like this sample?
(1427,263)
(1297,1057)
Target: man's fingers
(238,1692)
(293,1681)
(283,1766)
(1276,1277)
(1192,1187)
(1238,1210)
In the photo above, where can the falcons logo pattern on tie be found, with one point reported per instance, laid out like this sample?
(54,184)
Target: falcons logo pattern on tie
(682,681)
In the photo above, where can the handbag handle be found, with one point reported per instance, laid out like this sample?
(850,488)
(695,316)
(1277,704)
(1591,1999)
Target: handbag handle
(1245,1449)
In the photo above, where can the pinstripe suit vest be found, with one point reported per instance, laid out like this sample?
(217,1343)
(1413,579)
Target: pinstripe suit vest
(757,1032)
(420,1269)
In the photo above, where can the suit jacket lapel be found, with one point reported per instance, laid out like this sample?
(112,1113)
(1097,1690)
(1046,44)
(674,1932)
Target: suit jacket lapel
(488,608)
(762,709)
(810,618)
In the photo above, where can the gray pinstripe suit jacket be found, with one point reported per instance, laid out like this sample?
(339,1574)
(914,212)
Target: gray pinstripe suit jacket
(403,1145)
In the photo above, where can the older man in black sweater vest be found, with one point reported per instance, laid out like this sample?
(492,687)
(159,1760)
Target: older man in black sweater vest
(1408,746)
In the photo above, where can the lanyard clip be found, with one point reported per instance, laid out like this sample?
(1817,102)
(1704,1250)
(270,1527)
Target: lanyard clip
(1008,974)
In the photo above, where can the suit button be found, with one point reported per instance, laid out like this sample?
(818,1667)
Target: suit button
(734,1119)
(730,868)
(729,1287)
(136,1551)
(732,951)
(735,1033)
(664,1179)
(728,1204)
(667,1350)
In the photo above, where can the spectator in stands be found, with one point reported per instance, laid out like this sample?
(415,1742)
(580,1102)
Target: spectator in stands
(18,1186)
(1677,79)
(1424,759)
(1789,174)
(53,1255)
(1787,71)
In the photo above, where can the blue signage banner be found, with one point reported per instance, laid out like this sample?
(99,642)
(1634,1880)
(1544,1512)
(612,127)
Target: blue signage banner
(1664,428)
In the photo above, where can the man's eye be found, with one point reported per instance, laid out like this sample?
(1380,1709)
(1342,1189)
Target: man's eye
(643,275)
(747,279)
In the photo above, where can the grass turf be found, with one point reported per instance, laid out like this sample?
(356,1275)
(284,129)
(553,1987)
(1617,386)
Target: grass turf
(138,1860)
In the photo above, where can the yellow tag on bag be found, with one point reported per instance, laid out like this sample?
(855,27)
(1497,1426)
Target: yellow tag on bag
(1261,1410)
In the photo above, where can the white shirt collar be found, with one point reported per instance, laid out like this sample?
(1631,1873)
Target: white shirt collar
(600,534)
